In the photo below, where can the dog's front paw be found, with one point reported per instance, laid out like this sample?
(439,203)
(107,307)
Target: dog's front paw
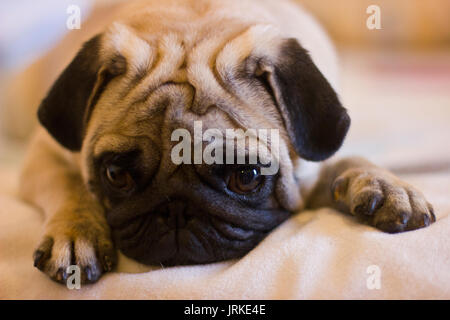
(382,200)
(75,239)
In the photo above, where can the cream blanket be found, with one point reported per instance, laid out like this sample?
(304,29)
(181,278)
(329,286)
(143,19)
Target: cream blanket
(319,254)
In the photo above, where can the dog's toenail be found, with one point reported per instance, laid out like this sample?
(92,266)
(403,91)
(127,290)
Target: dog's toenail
(59,275)
(433,217)
(107,263)
(426,220)
(38,255)
(88,272)
(403,218)
(375,203)
(339,188)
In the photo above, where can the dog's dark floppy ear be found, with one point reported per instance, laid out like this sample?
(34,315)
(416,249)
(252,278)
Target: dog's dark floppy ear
(315,119)
(66,109)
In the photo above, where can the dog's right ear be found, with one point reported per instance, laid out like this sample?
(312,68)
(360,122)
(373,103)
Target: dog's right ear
(315,120)
(312,114)
(67,107)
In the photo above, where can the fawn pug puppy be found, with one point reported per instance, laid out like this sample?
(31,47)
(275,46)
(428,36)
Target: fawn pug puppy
(101,166)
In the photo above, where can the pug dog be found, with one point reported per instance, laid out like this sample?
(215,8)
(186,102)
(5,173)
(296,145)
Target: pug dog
(100,166)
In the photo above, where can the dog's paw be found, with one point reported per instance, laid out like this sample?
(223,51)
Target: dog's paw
(382,200)
(80,241)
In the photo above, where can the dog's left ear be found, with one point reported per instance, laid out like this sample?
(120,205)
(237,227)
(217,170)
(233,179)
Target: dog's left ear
(314,118)
(66,109)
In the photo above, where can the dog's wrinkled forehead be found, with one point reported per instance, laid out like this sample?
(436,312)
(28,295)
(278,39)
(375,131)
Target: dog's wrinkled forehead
(169,83)
(213,69)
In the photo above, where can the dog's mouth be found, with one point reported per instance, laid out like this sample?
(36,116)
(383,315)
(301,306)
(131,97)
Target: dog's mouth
(179,233)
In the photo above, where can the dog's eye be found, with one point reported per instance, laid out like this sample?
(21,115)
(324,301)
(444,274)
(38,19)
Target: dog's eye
(119,178)
(245,180)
